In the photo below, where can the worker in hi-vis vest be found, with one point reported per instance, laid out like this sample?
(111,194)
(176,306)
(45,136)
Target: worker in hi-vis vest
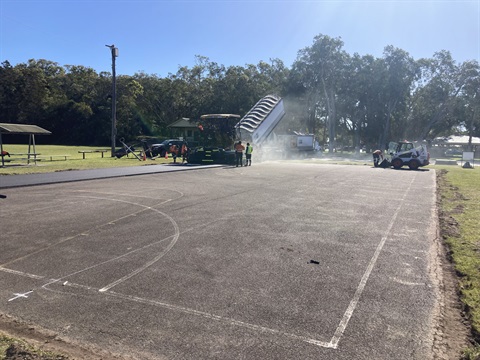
(239,148)
(248,154)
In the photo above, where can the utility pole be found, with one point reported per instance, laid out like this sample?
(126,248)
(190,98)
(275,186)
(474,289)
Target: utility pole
(114,51)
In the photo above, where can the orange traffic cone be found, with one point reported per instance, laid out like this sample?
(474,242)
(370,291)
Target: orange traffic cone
(166,155)
(144,156)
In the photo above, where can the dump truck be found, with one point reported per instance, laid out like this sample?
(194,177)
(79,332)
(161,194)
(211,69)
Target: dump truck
(258,125)
(296,145)
(257,128)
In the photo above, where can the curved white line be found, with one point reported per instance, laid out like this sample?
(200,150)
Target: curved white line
(85,232)
(158,257)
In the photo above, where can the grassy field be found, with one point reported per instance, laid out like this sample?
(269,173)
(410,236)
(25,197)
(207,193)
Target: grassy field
(74,160)
(459,209)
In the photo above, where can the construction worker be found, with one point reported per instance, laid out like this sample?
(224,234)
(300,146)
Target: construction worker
(184,151)
(239,148)
(377,157)
(174,152)
(248,154)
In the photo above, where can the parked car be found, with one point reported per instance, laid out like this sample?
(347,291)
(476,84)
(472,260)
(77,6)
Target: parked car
(453,152)
(164,146)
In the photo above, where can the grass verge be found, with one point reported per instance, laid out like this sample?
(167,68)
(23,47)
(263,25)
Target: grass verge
(18,349)
(459,198)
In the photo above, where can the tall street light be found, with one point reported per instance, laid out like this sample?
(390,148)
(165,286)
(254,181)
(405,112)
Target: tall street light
(114,51)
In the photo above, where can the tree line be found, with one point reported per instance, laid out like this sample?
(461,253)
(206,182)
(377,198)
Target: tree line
(344,99)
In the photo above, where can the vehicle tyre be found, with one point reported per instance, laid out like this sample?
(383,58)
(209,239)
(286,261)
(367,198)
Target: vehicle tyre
(413,164)
(397,163)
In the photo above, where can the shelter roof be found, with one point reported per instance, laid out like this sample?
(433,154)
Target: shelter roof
(7,128)
(220,116)
(457,140)
(182,123)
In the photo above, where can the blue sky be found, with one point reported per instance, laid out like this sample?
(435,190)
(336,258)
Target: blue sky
(158,36)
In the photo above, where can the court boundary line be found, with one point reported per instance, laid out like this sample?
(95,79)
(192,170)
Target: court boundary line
(363,282)
(333,343)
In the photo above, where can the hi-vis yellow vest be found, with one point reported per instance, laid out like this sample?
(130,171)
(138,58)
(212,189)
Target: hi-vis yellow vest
(249,149)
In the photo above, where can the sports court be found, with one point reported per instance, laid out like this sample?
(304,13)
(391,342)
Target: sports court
(271,261)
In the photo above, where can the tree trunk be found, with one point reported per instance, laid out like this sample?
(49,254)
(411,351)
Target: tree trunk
(386,129)
(331,111)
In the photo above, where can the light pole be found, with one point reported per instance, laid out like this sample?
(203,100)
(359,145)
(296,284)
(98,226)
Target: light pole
(114,51)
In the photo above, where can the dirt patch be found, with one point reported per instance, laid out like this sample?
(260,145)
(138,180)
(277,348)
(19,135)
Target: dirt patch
(19,352)
(41,344)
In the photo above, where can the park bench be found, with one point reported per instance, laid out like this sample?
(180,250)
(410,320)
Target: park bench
(83,152)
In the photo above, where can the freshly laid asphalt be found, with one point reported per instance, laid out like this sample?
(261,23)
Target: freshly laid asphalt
(79,175)
(273,261)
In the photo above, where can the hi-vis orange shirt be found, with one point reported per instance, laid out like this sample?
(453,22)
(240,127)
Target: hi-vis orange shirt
(239,147)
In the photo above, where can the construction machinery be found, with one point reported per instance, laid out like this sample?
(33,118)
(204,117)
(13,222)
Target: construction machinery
(296,145)
(405,153)
(258,124)
(257,128)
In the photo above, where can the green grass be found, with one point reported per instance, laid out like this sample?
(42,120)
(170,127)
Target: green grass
(459,191)
(25,350)
(75,160)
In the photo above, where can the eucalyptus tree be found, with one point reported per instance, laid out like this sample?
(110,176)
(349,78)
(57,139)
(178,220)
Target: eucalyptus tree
(31,92)
(319,68)
(234,90)
(74,120)
(437,96)
(399,73)
(469,100)
(35,90)
(302,105)
(10,82)
(357,99)
(196,87)
(129,122)
(270,78)
(156,105)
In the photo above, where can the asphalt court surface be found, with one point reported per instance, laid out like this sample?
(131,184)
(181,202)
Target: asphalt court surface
(273,261)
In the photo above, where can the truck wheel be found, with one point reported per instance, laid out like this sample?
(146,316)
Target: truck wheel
(413,164)
(397,163)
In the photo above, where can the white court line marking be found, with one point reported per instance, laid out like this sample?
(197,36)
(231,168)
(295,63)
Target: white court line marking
(132,195)
(17,296)
(203,314)
(358,293)
(52,281)
(220,318)
(339,331)
(84,232)
(158,257)
(32,276)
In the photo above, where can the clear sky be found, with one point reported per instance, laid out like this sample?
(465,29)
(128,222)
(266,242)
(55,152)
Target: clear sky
(158,36)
